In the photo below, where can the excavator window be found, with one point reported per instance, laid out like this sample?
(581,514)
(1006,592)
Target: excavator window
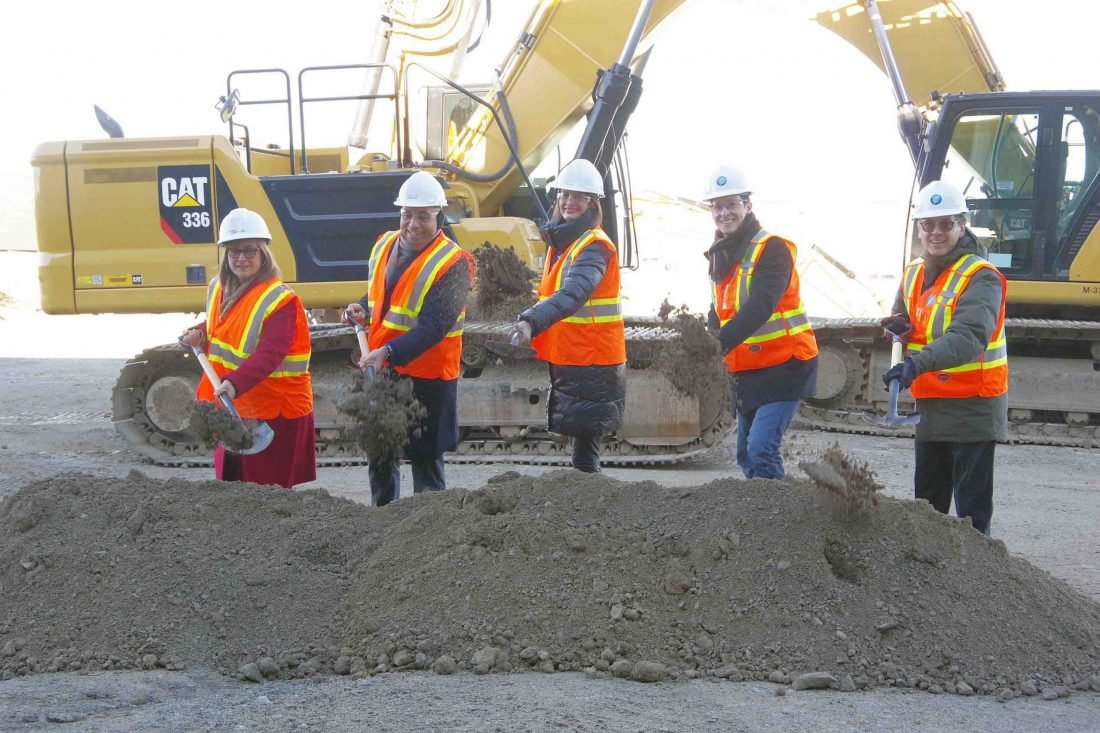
(1078,166)
(993,159)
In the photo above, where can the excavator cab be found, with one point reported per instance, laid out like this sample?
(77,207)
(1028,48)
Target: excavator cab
(1029,165)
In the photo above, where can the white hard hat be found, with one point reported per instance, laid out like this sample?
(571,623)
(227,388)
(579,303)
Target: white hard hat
(939,198)
(421,189)
(242,224)
(725,180)
(579,175)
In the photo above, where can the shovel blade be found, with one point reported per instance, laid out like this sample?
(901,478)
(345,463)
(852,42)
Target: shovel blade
(892,419)
(262,435)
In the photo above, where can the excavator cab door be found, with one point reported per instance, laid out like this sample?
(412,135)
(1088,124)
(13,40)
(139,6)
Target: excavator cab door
(1027,164)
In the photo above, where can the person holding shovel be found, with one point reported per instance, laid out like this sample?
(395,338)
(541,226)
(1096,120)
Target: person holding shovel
(418,280)
(577,324)
(761,323)
(951,308)
(257,339)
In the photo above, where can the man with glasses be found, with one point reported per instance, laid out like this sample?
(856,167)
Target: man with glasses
(761,323)
(418,281)
(951,308)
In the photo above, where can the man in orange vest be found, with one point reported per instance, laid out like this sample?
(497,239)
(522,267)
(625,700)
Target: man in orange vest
(418,281)
(952,306)
(761,323)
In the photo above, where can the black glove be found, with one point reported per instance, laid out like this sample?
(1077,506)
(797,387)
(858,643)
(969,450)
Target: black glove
(903,371)
(896,324)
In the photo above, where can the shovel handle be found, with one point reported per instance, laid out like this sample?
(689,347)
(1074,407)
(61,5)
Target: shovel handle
(896,350)
(215,380)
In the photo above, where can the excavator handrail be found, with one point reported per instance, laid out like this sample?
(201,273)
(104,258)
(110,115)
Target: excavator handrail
(302,100)
(241,102)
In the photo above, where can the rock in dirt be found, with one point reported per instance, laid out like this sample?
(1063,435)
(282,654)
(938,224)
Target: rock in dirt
(814,681)
(649,672)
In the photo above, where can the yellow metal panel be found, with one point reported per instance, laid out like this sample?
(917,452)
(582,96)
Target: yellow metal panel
(277,163)
(189,299)
(1054,293)
(936,46)
(504,232)
(114,200)
(55,276)
(1086,265)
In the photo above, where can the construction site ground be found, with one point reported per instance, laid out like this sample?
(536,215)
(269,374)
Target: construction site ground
(76,480)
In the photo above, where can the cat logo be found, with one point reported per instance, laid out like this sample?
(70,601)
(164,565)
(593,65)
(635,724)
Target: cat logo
(183,191)
(186,201)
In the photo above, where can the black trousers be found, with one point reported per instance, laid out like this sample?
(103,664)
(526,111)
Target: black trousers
(385,480)
(960,470)
(586,453)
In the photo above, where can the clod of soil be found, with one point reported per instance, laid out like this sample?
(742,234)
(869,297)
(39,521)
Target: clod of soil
(851,484)
(382,409)
(503,286)
(692,361)
(210,425)
(733,580)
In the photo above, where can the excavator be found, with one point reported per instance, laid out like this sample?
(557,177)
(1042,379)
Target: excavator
(128,225)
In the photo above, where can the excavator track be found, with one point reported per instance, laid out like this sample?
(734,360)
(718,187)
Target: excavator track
(1054,381)
(501,404)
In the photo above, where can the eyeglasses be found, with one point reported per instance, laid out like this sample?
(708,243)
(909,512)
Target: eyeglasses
(245,253)
(574,196)
(944,224)
(421,217)
(734,205)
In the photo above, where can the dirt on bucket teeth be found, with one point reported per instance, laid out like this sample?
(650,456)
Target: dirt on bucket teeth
(732,580)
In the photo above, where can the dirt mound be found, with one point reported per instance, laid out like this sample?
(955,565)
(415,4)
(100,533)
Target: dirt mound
(100,573)
(734,579)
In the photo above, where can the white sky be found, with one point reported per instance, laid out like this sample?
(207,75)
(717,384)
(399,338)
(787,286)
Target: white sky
(753,82)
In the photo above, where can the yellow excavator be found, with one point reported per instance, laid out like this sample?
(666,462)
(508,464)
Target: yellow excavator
(128,225)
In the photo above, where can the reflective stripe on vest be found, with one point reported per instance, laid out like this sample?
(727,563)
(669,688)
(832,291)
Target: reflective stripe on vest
(235,335)
(443,360)
(595,334)
(931,313)
(786,333)
(230,355)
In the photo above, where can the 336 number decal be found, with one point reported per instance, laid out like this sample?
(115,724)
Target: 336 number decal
(195,219)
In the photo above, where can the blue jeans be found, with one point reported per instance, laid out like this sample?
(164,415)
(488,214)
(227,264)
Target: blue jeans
(759,433)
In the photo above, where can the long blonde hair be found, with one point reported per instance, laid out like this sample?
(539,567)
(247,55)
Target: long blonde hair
(231,284)
(555,215)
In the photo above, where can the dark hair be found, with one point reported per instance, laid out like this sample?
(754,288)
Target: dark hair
(231,283)
(556,213)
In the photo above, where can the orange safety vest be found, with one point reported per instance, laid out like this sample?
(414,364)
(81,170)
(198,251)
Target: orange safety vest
(931,311)
(785,334)
(287,391)
(444,360)
(595,334)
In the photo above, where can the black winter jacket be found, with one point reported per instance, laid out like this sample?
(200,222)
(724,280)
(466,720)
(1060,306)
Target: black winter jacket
(584,400)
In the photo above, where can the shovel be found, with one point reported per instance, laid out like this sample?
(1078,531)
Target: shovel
(512,348)
(893,419)
(262,434)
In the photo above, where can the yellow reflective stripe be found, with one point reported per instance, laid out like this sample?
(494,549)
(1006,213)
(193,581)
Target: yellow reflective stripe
(571,255)
(263,309)
(380,246)
(226,351)
(444,253)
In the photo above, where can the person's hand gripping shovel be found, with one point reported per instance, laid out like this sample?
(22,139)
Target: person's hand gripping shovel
(518,344)
(261,432)
(892,418)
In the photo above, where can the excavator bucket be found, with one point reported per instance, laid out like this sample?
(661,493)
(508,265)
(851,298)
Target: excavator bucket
(936,45)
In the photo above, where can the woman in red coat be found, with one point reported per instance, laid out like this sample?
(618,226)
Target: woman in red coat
(257,339)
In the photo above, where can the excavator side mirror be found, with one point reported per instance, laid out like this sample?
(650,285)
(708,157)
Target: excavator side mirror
(227,105)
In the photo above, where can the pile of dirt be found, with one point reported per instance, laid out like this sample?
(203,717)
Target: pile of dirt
(502,288)
(735,580)
(101,573)
(382,408)
(209,424)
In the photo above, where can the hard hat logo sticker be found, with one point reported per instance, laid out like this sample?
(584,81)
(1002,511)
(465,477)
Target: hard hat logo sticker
(721,181)
(936,199)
